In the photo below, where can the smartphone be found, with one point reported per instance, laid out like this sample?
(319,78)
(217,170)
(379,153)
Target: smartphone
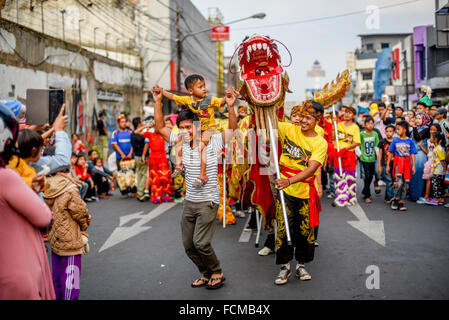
(43,105)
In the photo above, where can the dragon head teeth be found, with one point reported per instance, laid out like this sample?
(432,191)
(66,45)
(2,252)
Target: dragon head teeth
(259,46)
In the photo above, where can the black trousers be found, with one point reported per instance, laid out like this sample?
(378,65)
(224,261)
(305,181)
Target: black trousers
(369,170)
(102,186)
(302,235)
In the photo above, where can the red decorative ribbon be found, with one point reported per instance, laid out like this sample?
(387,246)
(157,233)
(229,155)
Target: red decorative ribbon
(314,199)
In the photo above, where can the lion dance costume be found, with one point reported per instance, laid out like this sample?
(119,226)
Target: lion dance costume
(158,170)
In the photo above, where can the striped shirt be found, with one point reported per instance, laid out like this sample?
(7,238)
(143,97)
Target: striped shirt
(192,168)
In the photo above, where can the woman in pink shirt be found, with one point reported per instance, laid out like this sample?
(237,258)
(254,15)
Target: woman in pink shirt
(24,268)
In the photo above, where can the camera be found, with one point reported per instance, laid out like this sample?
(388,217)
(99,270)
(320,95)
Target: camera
(43,105)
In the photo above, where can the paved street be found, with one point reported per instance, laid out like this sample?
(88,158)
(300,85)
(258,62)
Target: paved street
(152,264)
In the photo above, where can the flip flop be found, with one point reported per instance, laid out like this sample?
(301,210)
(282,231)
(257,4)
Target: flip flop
(203,282)
(216,285)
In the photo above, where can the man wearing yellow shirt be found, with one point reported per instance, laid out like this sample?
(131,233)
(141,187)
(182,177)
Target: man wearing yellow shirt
(348,136)
(203,106)
(303,153)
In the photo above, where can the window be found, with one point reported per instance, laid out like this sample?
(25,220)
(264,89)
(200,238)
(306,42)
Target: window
(369,47)
(385,45)
(422,63)
(367,75)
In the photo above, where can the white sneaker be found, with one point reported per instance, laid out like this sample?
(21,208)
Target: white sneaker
(302,274)
(381,183)
(240,214)
(283,275)
(265,251)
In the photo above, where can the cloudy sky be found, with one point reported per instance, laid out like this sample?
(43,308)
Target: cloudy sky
(326,40)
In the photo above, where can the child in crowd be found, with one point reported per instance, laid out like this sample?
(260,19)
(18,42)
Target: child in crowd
(382,159)
(30,145)
(438,168)
(203,106)
(369,141)
(402,150)
(78,145)
(67,241)
(348,135)
(427,173)
(103,183)
(82,174)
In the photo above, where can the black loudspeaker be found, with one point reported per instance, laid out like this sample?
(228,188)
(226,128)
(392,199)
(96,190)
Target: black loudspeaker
(43,105)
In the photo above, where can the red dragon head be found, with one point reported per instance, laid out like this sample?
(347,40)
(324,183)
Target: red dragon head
(262,74)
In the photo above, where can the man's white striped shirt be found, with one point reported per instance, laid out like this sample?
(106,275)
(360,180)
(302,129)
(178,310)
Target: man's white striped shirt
(192,168)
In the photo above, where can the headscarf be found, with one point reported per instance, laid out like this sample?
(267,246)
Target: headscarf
(9,131)
(425,120)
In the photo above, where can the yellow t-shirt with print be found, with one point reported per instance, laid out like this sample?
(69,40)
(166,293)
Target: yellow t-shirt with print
(297,151)
(347,135)
(207,117)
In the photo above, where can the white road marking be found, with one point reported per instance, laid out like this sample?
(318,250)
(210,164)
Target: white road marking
(373,229)
(121,233)
(246,234)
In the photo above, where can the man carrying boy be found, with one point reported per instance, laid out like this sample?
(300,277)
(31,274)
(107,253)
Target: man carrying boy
(203,106)
(348,135)
(369,140)
(403,150)
(200,205)
(382,158)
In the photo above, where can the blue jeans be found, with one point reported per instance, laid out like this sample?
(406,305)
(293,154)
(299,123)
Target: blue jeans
(388,179)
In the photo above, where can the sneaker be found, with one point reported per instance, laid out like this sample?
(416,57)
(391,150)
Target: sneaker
(381,183)
(283,275)
(178,200)
(394,204)
(302,274)
(377,189)
(265,251)
(401,206)
(331,195)
(240,214)
(316,244)
(388,200)
(146,196)
(95,199)
(89,200)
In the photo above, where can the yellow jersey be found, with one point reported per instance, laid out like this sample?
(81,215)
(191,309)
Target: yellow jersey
(297,152)
(347,135)
(203,108)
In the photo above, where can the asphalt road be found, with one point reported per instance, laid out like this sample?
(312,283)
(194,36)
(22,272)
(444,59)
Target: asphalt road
(152,264)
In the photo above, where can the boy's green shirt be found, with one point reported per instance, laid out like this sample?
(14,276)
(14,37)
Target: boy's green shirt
(368,144)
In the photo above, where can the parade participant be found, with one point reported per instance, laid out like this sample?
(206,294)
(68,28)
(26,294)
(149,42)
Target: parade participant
(203,106)
(348,139)
(66,240)
(369,141)
(303,153)
(24,268)
(159,175)
(403,150)
(200,205)
(382,158)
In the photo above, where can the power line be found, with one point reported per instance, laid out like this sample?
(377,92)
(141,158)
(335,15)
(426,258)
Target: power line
(327,17)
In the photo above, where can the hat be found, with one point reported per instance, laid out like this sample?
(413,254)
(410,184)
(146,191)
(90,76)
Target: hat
(441,110)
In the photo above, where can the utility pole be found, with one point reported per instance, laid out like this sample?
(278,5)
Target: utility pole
(179,50)
(406,77)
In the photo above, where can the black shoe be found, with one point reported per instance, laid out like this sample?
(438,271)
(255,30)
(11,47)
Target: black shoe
(394,204)
(402,207)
